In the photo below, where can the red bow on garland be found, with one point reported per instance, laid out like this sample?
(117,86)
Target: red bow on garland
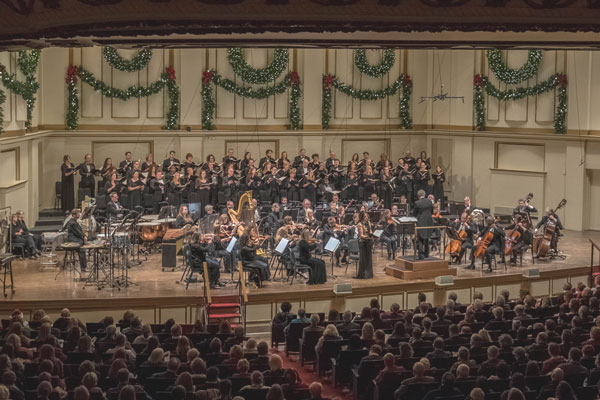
(327,81)
(562,80)
(207,77)
(72,72)
(406,80)
(171,73)
(294,77)
(478,80)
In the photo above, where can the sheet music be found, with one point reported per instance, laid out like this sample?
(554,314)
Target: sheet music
(407,219)
(232,243)
(282,245)
(378,233)
(332,245)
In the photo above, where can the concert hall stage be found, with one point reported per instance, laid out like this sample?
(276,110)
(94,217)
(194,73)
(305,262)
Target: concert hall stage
(156,293)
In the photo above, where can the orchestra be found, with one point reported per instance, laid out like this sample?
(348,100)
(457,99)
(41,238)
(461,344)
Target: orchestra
(308,202)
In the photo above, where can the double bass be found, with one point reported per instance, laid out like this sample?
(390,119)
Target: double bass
(513,236)
(549,229)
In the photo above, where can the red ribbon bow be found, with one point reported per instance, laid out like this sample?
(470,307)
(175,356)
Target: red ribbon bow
(478,80)
(72,72)
(562,80)
(406,80)
(327,81)
(171,73)
(295,78)
(207,77)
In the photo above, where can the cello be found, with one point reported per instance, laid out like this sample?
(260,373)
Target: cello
(485,241)
(549,229)
(513,236)
(453,248)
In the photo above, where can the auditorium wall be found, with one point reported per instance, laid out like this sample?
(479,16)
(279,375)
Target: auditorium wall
(485,165)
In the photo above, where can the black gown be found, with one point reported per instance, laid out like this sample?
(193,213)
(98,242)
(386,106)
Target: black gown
(203,194)
(438,187)
(318,273)
(135,196)
(67,188)
(365,253)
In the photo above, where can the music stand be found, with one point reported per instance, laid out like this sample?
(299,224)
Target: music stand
(277,253)
(406,227)
(331,246)
(402,210)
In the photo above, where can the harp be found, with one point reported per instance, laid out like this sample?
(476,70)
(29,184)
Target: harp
(244,215)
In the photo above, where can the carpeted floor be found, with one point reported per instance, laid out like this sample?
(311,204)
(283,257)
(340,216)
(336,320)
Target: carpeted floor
(308,376)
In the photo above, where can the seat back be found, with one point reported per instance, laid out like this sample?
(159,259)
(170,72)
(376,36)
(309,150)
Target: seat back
(295,333)
(353,246)
(58,189)
(416,391)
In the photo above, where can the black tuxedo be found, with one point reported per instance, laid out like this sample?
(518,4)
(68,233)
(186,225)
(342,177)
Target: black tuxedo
(113,209)
(423,210)
(87,181)
(298,160)
(167,163)
(75,235)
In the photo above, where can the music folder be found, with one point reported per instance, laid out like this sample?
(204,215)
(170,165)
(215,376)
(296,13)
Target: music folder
(281,246)
(332,244)
(378,233)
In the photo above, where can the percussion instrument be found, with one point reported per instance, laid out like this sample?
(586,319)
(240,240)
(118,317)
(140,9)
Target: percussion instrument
(166,224)
(121,240)
(70,246)
(149,231)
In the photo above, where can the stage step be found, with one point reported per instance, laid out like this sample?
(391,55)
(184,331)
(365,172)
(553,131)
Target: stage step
(45,228)
(407,268)
(44,221)
(224,305)
(225,308)
(224,315)
(52,212)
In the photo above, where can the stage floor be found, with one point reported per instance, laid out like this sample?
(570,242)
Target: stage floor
(35,285)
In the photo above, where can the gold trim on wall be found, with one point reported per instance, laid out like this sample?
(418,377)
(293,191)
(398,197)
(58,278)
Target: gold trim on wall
(17,151)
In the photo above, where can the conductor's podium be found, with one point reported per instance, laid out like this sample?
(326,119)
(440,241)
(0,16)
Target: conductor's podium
(407,268)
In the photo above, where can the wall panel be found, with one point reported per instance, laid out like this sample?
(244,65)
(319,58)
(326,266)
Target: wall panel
(91,101)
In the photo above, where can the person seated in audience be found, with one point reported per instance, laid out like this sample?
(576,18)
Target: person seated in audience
(43,391)
(21,351)
(418,377)
(178,392)
(90,381)
(110,336)
(216,355)
(464,357)
(238,337)
(406,350)
(330,333)
(555,358)
(122,344)
(127,393)
(497,323)
(314,325)
(144,337)
(190,356)
(532,369)
(421,298)
(541,343)
(399,333)
(62,322)
(333,316)
(183,346)
(185,379)
(490,366)
(275,393)
(454,338)
(347,324)
(463,373)
(235,354)
(447,388)
(577,327)
(594,339)
(282,318)
(438,349)
(427,332)
(292,383)
(394,313)
(80,393)
(84,345)
(9,379)
(316,391)
(506,344)
(134,328)
(172,367)
(521,360)
(380,340)
(152,344)
(243,366)
(47,353)
(550,329)
(128,316)
(520,313)
(477,345)
(422,310)
(250,350)
(548,390)
(589,358)
(441,319)
(198,370)
(256,382)
(365,315)
(225,390)
(376,320)
(300,319)
(262,361)
(573,365)
(375,353)
(390,367)
(368,334)
(73,335)
(451,308)
(176,333)
(275,366)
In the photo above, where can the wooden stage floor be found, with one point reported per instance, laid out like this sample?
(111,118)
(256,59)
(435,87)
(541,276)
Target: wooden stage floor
(35,286)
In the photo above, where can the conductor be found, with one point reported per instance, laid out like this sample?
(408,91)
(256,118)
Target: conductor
(423,210)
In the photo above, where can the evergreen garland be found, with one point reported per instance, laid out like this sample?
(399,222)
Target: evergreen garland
(27,63)
(137,63)
(404,82)
(211,78)
(248,74)
(166,80)
(514,76)
(557,81)
(374,71)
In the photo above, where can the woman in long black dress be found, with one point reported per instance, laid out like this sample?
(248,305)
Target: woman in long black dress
(365,247)
(422,178)
(318,273)
(135,187)
(439,177)
(387,189)
(203,188)
(310,187)
(67,171)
